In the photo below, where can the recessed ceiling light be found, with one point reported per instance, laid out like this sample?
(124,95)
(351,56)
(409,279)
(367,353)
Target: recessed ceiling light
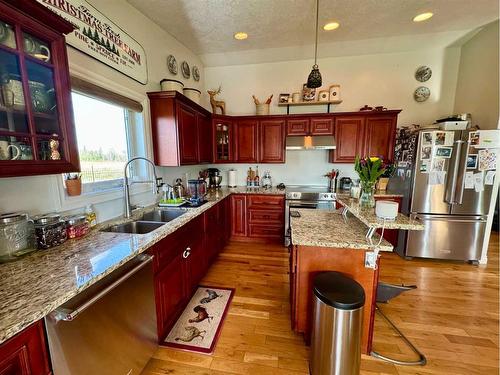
(422,17)
(240,35)
(331,26)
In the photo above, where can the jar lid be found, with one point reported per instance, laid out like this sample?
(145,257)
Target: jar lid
(13,217)
(75,219)
(47,219)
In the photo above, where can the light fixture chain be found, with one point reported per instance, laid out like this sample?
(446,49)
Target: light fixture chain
(317,22)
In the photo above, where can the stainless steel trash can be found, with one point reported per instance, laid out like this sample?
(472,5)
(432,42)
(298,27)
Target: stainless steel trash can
(337,325)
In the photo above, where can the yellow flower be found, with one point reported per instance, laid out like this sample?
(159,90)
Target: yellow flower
(374,158)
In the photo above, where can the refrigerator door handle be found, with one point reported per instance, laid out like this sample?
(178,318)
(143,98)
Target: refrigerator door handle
(462,165)
(451,181)
(451,218)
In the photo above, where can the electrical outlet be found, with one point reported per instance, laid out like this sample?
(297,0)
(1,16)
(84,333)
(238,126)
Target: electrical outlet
(371,259)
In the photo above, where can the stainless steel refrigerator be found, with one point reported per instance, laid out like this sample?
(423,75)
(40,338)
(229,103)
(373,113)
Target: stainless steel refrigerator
(454,214)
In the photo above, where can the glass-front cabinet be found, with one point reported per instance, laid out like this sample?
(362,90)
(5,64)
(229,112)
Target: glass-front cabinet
(223,141)
(37,134)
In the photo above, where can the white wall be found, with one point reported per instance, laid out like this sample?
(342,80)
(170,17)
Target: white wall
(383,79)
(42,194)
(477,86)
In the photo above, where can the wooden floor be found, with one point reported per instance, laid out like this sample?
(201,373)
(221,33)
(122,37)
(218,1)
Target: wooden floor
(452,318)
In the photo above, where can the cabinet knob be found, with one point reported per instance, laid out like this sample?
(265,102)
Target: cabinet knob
(186,253)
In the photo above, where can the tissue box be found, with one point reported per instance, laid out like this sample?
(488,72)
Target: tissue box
(386,209)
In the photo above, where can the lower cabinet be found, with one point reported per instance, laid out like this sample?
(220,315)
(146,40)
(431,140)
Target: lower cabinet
(26,353)
(257,216)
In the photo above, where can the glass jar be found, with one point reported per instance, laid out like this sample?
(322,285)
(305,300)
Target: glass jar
(50,231)
(367,199)
(16,236)
(76,226)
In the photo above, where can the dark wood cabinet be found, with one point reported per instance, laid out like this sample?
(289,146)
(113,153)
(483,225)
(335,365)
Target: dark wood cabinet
(205,139)
(188,135)
(36,117)
(238,216)
(297,126)
(272,141)
(246,141)
(223,140)
(321,126)
(380,137)
(180,128)
(26,353)
(349,133)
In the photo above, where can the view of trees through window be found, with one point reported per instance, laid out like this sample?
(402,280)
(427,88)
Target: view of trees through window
(102,138)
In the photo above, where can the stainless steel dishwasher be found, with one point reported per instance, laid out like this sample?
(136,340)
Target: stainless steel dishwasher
(110,328)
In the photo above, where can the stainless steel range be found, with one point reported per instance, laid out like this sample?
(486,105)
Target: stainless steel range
(311,197)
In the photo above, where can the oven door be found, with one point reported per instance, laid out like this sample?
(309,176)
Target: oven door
(290,205)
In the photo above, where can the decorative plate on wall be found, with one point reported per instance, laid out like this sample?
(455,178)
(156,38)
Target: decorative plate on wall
(172,64)
(421,94)
(423,74)
(196,73)
(186,72)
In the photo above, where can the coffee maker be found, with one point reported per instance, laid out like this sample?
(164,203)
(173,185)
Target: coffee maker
(214,178)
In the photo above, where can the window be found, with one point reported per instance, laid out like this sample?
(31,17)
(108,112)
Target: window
(107,135)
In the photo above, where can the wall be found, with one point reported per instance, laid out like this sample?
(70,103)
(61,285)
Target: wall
(477,86)
(43,193)
(382,79)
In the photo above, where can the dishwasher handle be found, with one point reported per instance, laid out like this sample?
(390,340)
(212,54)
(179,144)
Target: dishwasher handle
(69,315)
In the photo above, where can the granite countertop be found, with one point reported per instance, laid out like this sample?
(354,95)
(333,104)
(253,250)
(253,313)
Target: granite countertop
(367,216)
(33,286)
(328,228)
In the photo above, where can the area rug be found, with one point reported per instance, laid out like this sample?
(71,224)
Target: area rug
(199,325)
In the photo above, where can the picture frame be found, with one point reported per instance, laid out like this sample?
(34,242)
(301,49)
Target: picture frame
(283,98)
(472,161)
(443,152)
(440,138)
(334,91)
(427,138)
(474,138)
(426,153)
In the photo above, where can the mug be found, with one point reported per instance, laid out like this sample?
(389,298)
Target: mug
(5,151)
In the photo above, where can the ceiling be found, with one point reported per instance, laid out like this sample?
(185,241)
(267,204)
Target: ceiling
(208,26)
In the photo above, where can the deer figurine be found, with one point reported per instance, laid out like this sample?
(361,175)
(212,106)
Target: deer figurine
(217,103)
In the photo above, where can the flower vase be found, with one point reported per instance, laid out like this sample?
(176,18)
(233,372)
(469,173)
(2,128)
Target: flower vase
(367,199)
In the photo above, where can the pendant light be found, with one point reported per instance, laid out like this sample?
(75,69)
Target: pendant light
(314,80)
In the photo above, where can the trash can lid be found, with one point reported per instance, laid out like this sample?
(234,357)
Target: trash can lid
(339,291)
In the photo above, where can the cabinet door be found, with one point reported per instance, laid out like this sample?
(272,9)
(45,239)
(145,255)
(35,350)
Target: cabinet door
(213,222)
(170,294)
(321,126)
(195,262)
(380,137)
(223,141)
(272,141)
(297,126)
(246,132)
(238,215)
(188,134)
(25,353)
(205,143)
(349,133)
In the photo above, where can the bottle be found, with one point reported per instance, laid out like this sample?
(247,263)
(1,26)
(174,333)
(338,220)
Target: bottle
(249,177)
(90,215)
(257,178)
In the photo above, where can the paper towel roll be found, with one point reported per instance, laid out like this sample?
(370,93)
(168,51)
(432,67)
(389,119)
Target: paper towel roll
(231,178)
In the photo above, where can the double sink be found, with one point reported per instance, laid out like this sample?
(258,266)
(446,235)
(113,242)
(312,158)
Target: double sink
(148,222)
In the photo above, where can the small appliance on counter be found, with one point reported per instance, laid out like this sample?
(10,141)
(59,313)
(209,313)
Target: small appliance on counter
(267,182)
(214,178)
(345,183)
(197,191)
(387,210)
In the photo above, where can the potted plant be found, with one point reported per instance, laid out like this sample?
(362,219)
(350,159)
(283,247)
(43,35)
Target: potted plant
(390,169)
(73,183)
(369,170)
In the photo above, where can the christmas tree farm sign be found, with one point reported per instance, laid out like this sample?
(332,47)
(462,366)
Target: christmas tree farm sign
(100,38)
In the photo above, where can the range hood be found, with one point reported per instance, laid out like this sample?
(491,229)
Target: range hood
(317,142)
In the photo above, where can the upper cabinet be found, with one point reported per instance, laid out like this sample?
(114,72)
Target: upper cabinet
(272,141)
(246,133)
(369,134)
(321,126)
(315,125)
(37,133)
(222,130)
(182,131)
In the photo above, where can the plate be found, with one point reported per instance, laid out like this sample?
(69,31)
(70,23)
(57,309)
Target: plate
(186,72)
(421,94)
(423,74)
(196,73)
(172,64)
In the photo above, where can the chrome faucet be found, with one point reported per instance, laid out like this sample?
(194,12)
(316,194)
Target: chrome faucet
(157,183)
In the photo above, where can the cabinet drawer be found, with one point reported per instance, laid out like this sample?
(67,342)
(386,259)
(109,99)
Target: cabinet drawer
(168,248)
(265,231)
(321,126)
(297,126)
(268,202)
(265,216)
